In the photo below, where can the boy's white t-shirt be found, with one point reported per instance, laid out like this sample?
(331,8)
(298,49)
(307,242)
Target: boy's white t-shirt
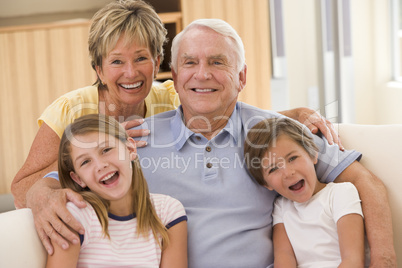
(311,226)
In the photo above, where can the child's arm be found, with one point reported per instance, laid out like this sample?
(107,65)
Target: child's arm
(175,254)
(284,255)
(63,258)
(351,240)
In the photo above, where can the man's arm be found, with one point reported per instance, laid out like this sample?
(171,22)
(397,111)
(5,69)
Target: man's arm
(377,213)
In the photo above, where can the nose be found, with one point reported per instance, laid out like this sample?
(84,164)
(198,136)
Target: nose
(203,72)
(288,171)
(101,165)
(130,70)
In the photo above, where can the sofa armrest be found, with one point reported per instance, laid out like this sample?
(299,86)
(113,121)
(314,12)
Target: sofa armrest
(20,245)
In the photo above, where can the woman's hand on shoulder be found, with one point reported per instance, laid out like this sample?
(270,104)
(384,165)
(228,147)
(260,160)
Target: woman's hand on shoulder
(135,133)
(51,216)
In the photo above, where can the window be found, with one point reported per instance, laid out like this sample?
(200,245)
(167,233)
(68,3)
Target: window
(396,26)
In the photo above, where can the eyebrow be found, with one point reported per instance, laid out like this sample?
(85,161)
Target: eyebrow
(186,56)
(286,156)
(85,154)
(218,56)
(119,53)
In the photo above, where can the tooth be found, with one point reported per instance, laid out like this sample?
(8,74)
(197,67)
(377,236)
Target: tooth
(203,90)
(132,85)
(108,177)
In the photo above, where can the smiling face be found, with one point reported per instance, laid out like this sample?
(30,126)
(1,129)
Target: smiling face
(128,71)
(289,170)
(206,78)
(103,164)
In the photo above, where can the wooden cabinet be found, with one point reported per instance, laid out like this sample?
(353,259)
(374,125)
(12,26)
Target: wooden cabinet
(173,24)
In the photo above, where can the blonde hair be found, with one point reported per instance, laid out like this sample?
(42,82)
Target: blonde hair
(136,19)
(262,137)
(142,205)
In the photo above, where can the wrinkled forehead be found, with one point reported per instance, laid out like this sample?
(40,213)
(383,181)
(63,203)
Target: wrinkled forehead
(127,40)
(205,42)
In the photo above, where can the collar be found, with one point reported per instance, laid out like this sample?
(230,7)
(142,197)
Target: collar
(181,133)
(121,218)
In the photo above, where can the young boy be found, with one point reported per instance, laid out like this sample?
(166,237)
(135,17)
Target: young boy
(315,224)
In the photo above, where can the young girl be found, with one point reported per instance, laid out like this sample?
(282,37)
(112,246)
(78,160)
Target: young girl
(125,226)
(315,224)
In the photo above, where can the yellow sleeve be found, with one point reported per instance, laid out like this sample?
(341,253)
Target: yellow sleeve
(56,116)
(64,110)
(174,97)
(162,98)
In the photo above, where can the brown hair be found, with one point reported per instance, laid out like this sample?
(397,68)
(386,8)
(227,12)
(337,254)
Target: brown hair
(136,19)
(142,205)
(262,137)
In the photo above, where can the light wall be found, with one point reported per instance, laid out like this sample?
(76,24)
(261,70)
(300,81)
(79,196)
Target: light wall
(301,50)
(377,99)
(386,95)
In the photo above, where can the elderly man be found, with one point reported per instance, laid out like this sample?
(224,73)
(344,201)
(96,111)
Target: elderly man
(195,154)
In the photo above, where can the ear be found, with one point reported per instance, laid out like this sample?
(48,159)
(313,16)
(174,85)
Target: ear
(242,78)
(315,159)
(174,77)
(132,148)
(77,179)
(269,187)
(99,72)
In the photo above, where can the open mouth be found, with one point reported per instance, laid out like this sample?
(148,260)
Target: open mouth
(132,86)
(111,178)
(297,186)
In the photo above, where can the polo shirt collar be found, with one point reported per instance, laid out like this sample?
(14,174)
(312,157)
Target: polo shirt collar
(181,133)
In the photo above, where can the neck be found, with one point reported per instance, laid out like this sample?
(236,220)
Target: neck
(121,208)
(207,128)
(207,125)
(120,111)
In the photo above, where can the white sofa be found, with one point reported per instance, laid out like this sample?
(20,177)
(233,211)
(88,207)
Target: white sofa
(381,147)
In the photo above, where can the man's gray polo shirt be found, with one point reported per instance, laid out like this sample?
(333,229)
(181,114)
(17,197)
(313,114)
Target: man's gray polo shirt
(229,215)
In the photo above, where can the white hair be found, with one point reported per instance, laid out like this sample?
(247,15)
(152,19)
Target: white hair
(219,26)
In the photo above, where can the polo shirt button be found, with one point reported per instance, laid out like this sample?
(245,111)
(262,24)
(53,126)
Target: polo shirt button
(209,165)
(208,149)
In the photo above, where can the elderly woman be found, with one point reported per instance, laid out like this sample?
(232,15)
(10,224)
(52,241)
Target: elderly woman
(126,47)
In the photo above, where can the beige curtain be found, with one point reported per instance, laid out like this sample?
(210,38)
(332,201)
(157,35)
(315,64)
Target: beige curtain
(37,64)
